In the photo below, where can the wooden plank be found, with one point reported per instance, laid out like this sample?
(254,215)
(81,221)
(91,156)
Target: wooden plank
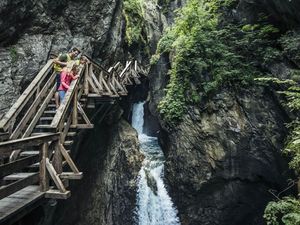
(44,177)
(55,194)
(86,84)
(106,85)
(83,126)
(65,130)
(17,165)
(71,175)
(95,89)
(9,146)
(39,113)
(69,159)
(19,129)
(13,112)
(125,69)
(30,198)
(55,176)
(17,176)
(74,111)
(57,159)
(98,84)
(84,116)
(18,185)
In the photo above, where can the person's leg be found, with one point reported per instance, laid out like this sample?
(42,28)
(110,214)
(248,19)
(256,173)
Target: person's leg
(61,95)
(56,97)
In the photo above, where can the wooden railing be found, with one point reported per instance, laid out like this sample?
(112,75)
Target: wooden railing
(26,108)
(95,82)
(42,142)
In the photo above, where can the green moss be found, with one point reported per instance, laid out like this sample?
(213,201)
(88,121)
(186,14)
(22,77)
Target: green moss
(133,14)
(210,57)
(285,211)
(13,54)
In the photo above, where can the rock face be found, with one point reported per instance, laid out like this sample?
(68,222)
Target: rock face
(110,160)
(37,28)
(225,155)
(223,159)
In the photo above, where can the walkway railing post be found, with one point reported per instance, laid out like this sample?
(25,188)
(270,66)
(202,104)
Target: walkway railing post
(75,111)
(57,158)
(44,177)
(86,76)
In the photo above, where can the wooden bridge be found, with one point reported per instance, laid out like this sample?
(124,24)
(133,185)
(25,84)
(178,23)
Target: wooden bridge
(36,139)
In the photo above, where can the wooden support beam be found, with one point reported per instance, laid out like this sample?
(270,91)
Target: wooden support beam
(55,194)
(71,176)
(69,159)
(96,90)
(55,176)
(75,112)
(84,116)
(44,177)
(86,76)
(57,158)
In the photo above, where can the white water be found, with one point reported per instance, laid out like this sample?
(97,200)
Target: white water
(154,205)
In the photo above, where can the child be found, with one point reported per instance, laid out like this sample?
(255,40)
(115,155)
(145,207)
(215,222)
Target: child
(67,74)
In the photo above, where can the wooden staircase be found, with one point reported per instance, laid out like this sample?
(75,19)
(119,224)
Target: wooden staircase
(36,139)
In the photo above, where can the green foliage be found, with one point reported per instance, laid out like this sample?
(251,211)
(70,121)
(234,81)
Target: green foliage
(133,14)
(13,54)
(208,56)
(285,211)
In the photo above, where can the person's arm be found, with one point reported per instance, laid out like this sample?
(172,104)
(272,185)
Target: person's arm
(74,77)
(59,62)
(63,76)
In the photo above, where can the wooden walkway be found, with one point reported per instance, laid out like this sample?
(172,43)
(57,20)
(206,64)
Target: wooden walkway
(36,139)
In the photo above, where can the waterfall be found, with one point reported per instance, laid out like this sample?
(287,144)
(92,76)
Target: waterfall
(154,205)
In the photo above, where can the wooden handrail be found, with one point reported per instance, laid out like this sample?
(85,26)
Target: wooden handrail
(17,107)
(97,65)
(63,108)
(9,146)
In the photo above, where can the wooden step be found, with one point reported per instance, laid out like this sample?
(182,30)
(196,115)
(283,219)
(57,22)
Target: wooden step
(71,175)
(46,118)
(37,165)
(44,126)
(68,143)
(72,134)
(56,194)
(50,112)
(18,176)
(29,153)
(39,133)
(83,126)
(51,105)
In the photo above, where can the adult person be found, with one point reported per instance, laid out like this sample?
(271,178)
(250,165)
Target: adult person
(67,74)
(59,63)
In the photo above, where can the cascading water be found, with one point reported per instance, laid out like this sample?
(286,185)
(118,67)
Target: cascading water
(154,205)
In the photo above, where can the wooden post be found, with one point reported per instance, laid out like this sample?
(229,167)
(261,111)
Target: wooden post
(44,177)
(57,158)
(75,112)
(86,76)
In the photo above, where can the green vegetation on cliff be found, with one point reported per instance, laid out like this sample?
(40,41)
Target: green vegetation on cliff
(207,55)
(133,14)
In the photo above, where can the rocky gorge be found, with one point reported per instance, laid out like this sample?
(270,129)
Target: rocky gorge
(222,157)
